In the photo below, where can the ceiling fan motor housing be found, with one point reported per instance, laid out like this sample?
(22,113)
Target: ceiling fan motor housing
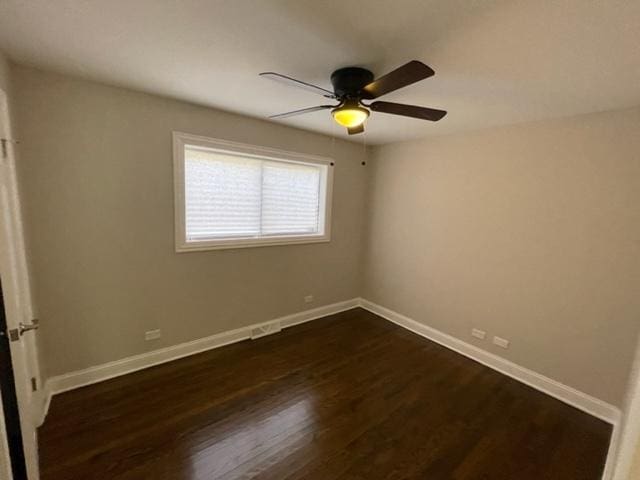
(348,82)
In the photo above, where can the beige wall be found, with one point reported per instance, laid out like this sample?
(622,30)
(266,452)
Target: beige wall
(96,176)
(529,232)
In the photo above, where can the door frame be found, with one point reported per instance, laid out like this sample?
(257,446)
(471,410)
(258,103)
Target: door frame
(18,305)
(620,464)
(12,430)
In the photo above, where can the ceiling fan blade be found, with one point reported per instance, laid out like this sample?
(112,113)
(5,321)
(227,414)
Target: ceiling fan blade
(278,77)
(356,130)
(409,73)
(414,111)
(302,111)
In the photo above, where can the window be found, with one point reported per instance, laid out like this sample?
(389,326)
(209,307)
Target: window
(229,195)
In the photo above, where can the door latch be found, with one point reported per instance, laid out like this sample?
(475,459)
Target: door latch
(16,333)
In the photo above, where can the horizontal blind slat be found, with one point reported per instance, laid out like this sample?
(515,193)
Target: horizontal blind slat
(230,196)
(222,195)
(290,198)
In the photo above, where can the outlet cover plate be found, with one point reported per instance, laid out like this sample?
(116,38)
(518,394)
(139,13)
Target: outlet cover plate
(152,334)
(476,332)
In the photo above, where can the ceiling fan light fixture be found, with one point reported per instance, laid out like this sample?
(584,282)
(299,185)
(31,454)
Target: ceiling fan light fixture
(350,115)
(351,85)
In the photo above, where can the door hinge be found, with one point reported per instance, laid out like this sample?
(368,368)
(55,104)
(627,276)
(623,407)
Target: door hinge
(3,145)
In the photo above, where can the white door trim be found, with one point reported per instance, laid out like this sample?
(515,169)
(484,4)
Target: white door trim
(628,442)
(17,293)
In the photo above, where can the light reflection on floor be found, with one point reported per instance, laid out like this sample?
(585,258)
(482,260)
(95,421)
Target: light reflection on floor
(279,429)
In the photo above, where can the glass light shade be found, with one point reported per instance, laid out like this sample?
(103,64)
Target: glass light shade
(350,116)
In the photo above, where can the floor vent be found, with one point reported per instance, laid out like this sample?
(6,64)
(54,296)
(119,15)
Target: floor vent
(266,329)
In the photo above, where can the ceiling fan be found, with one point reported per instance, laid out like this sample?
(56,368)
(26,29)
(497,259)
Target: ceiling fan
(352,85)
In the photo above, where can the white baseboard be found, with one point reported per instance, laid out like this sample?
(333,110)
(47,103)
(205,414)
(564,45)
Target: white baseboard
(99,373)
(564,393)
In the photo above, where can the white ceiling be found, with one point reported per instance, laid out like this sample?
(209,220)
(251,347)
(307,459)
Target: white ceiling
(496,61)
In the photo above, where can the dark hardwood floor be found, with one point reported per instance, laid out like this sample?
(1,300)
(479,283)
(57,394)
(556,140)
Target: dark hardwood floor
(347,397)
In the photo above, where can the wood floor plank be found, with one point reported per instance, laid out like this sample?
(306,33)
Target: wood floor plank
(347,397)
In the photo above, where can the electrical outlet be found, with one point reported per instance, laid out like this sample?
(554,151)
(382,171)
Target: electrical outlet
(501,342)
(476,332)
(308,299)
(152,334)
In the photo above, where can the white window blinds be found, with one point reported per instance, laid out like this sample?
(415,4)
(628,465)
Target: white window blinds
(235,196)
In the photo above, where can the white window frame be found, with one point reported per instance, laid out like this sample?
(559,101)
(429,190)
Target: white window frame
(181,140)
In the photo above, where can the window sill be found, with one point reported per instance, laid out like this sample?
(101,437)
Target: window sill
(199,246)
